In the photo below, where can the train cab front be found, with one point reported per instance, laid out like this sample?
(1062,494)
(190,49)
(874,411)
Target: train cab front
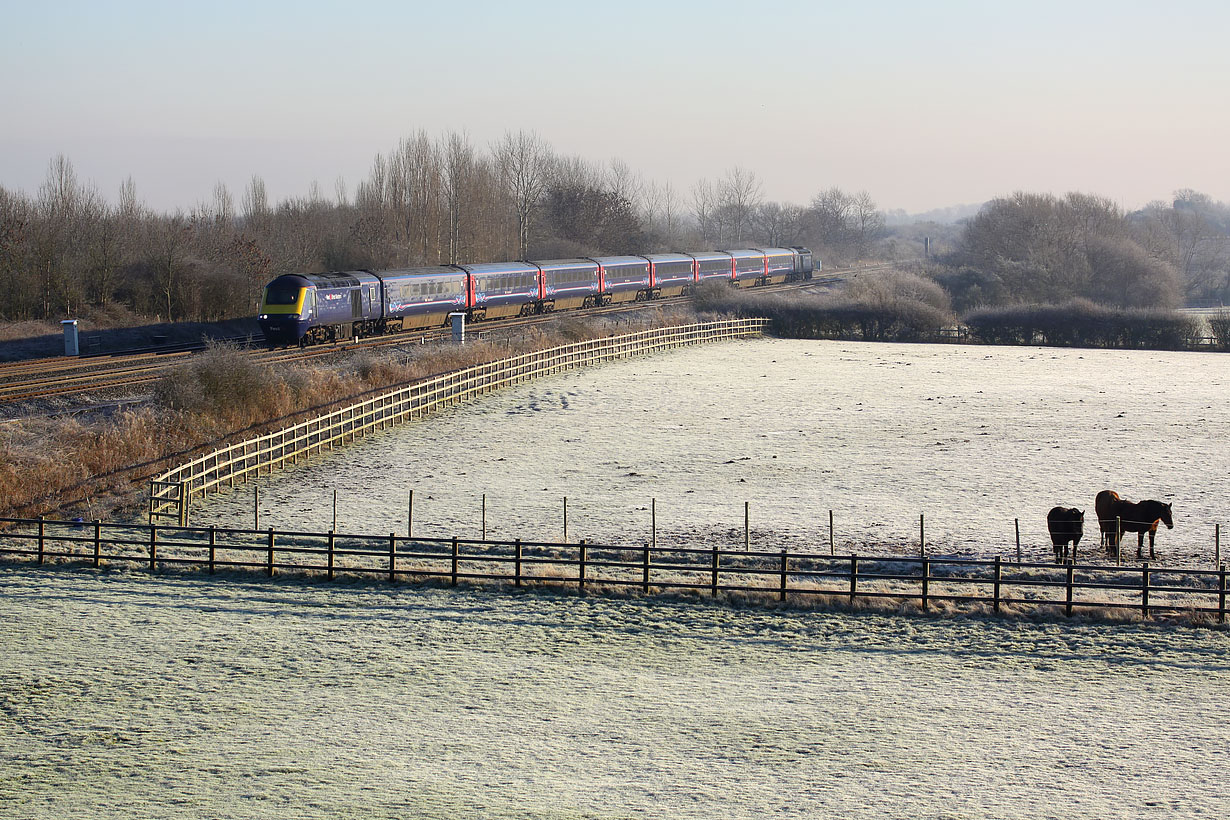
(286,310)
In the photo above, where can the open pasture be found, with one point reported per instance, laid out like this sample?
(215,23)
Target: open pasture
(972,438)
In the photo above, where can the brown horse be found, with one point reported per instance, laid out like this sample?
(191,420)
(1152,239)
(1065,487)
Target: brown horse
(1126,516)
(1104,508)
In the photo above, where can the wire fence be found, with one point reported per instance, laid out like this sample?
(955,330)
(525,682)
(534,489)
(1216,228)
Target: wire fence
(921,582)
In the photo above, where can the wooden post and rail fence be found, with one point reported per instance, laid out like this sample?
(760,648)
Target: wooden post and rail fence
(768,576)
(171,493)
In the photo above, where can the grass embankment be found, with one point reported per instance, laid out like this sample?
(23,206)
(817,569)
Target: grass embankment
(66,466)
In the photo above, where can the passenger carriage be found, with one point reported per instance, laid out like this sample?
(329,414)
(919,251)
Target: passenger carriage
(501,289)
(568,284)
(623,278)
(671,274)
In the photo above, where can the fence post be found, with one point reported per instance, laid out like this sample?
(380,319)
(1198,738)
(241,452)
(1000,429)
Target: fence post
(453,577)
(922,536)
(853,577)
(1067,610)
(410,517)
(256,504)
(747,526)
(565,519)
(183,504)
(334,509)
(830,532)
(926,572)
(1017,523)
(271,552)
(392,557)
(97,541)
(713,587)
(1216,546)
(645,572)
(581,563)
(517,564)
(153,547)
(653,523)
(1221,595)
(1118,541)
(42,547)
(1144,591)
(212,547)
(998,576)
(331,545)
(781,593)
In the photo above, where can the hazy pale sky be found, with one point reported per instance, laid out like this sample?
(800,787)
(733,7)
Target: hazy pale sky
(922,104)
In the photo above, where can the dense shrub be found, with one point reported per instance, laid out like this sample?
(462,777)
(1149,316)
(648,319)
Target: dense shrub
(1080,323)
(222,380)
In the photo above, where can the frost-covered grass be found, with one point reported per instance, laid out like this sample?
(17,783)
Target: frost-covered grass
(125,696)
(973,438)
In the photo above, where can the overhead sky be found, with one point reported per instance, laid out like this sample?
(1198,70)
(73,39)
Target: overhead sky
(924,105)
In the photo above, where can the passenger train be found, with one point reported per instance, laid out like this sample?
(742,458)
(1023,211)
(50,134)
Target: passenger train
(311,308)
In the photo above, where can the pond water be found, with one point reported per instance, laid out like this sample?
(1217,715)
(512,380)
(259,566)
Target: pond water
(978,441)
(129,696)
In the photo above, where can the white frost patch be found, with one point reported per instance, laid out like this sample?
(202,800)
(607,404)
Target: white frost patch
(125,696)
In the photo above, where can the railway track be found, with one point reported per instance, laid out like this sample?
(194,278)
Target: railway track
(63,375)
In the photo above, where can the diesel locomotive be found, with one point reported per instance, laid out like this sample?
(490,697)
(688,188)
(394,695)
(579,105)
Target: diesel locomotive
(311,308)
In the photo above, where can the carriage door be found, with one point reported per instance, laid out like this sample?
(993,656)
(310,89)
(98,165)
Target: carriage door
(356,303)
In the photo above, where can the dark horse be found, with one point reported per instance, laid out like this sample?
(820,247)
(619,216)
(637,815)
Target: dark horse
(1116,516)
(1066,524)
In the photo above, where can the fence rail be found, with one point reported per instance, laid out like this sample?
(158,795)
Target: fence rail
(921,581)
(172,492)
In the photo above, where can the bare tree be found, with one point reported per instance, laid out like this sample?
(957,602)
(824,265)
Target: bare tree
(739,194)
(63,206)
(255,203)
(778,224)
(867,223)
(704,206)
(623,182)
(457,177)
(523,161)
(661,205)
(415,177)
(168,245)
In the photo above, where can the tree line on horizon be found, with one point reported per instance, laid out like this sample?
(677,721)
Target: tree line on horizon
(70,252)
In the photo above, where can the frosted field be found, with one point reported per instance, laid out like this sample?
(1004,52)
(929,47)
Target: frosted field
(125,696)
(972,437)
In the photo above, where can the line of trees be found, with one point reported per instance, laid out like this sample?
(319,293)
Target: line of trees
(1043,249)
(69,251)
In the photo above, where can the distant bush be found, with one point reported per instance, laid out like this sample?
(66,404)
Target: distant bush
(1219,325)
(1080,323)
(901,308)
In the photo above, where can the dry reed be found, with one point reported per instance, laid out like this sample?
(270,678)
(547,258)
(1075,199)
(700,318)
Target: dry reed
(67,467)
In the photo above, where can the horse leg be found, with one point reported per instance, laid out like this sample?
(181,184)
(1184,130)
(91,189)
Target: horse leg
(1152,535)
(1140,544)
